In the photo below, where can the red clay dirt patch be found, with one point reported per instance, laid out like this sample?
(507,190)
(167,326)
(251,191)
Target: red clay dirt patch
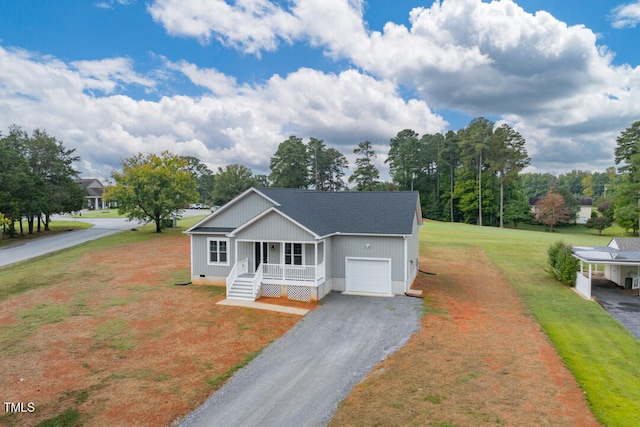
(123,345)
(479,359)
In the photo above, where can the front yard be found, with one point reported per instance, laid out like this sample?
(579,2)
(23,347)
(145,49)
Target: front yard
(100,333)
(107,335)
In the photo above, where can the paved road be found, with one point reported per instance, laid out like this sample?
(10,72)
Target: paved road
(102,227)
(300,378)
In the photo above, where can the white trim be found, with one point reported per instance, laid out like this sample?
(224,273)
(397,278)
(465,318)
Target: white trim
(339,233)
(208,252)
(267,212)
(406,265)
(191,255)
(346,274)
(612,262)
(308,242)
(266,197)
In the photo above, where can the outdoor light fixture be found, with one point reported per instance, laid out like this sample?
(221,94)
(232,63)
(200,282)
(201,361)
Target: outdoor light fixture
(273,247)
(367,245)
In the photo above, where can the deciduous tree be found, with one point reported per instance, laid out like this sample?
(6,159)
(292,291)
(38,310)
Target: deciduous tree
(231,181)
(599,223)
(153,188)
(205,180)
(551,210)
(518,210)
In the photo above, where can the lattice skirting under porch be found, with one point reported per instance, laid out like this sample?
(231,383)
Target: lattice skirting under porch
(270,290)
(299,293)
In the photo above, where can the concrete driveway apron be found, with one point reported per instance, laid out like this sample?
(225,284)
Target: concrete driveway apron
(300,378)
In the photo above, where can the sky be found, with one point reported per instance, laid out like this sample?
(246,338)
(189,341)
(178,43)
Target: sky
(227,81)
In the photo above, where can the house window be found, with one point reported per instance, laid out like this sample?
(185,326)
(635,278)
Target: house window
(293,253)
(218,251)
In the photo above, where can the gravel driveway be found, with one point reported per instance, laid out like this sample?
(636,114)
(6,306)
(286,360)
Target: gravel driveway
(299,379)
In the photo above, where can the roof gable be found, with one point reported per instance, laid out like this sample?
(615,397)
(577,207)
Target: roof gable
(625,243)
(270,225)
(236,212)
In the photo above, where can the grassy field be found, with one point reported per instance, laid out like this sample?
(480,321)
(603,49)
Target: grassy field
(602,355)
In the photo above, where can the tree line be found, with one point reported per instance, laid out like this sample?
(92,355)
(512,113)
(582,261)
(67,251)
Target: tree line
(467,175)
(37,179)
(473,175)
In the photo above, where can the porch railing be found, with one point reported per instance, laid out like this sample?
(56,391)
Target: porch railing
(241,267)
(257,280)
(301,273)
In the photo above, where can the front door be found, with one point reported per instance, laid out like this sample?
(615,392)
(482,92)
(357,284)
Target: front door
(261,254)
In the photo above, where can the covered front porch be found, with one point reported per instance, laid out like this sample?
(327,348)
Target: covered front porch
(295,270)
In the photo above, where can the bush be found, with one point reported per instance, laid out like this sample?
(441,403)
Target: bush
(562,265)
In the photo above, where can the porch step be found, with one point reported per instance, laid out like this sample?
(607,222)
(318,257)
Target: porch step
(241,288)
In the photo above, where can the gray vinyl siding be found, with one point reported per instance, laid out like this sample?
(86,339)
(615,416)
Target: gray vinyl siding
(380,247)
(245,251)
(328,262)
(200,253)
(310,254)
(239,213)
(274,227)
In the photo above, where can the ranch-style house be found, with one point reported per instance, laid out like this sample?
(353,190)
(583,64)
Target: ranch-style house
(303,244)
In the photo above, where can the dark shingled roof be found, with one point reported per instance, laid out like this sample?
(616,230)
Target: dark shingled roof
(366,212)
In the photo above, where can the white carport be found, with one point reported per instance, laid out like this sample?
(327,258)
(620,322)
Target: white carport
(620,266)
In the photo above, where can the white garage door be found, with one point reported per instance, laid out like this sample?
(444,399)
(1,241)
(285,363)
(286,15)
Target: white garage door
(368,275)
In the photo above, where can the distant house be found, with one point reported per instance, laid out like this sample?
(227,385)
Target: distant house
(585,204)
(95,191)
(621,260)
(302,244)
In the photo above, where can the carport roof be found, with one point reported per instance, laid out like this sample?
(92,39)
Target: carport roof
(606,255)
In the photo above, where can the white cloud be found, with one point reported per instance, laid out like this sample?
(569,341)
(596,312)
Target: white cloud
(107,74)
(250,25)
(551,81)
(234,124)
(626,15)
(215,81)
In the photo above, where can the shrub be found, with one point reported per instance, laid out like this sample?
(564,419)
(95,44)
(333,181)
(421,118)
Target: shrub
(562,265)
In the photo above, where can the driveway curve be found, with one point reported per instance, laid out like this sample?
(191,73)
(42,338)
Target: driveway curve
(300,378)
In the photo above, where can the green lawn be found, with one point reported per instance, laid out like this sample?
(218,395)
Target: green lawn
(603,356)
(98,213)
